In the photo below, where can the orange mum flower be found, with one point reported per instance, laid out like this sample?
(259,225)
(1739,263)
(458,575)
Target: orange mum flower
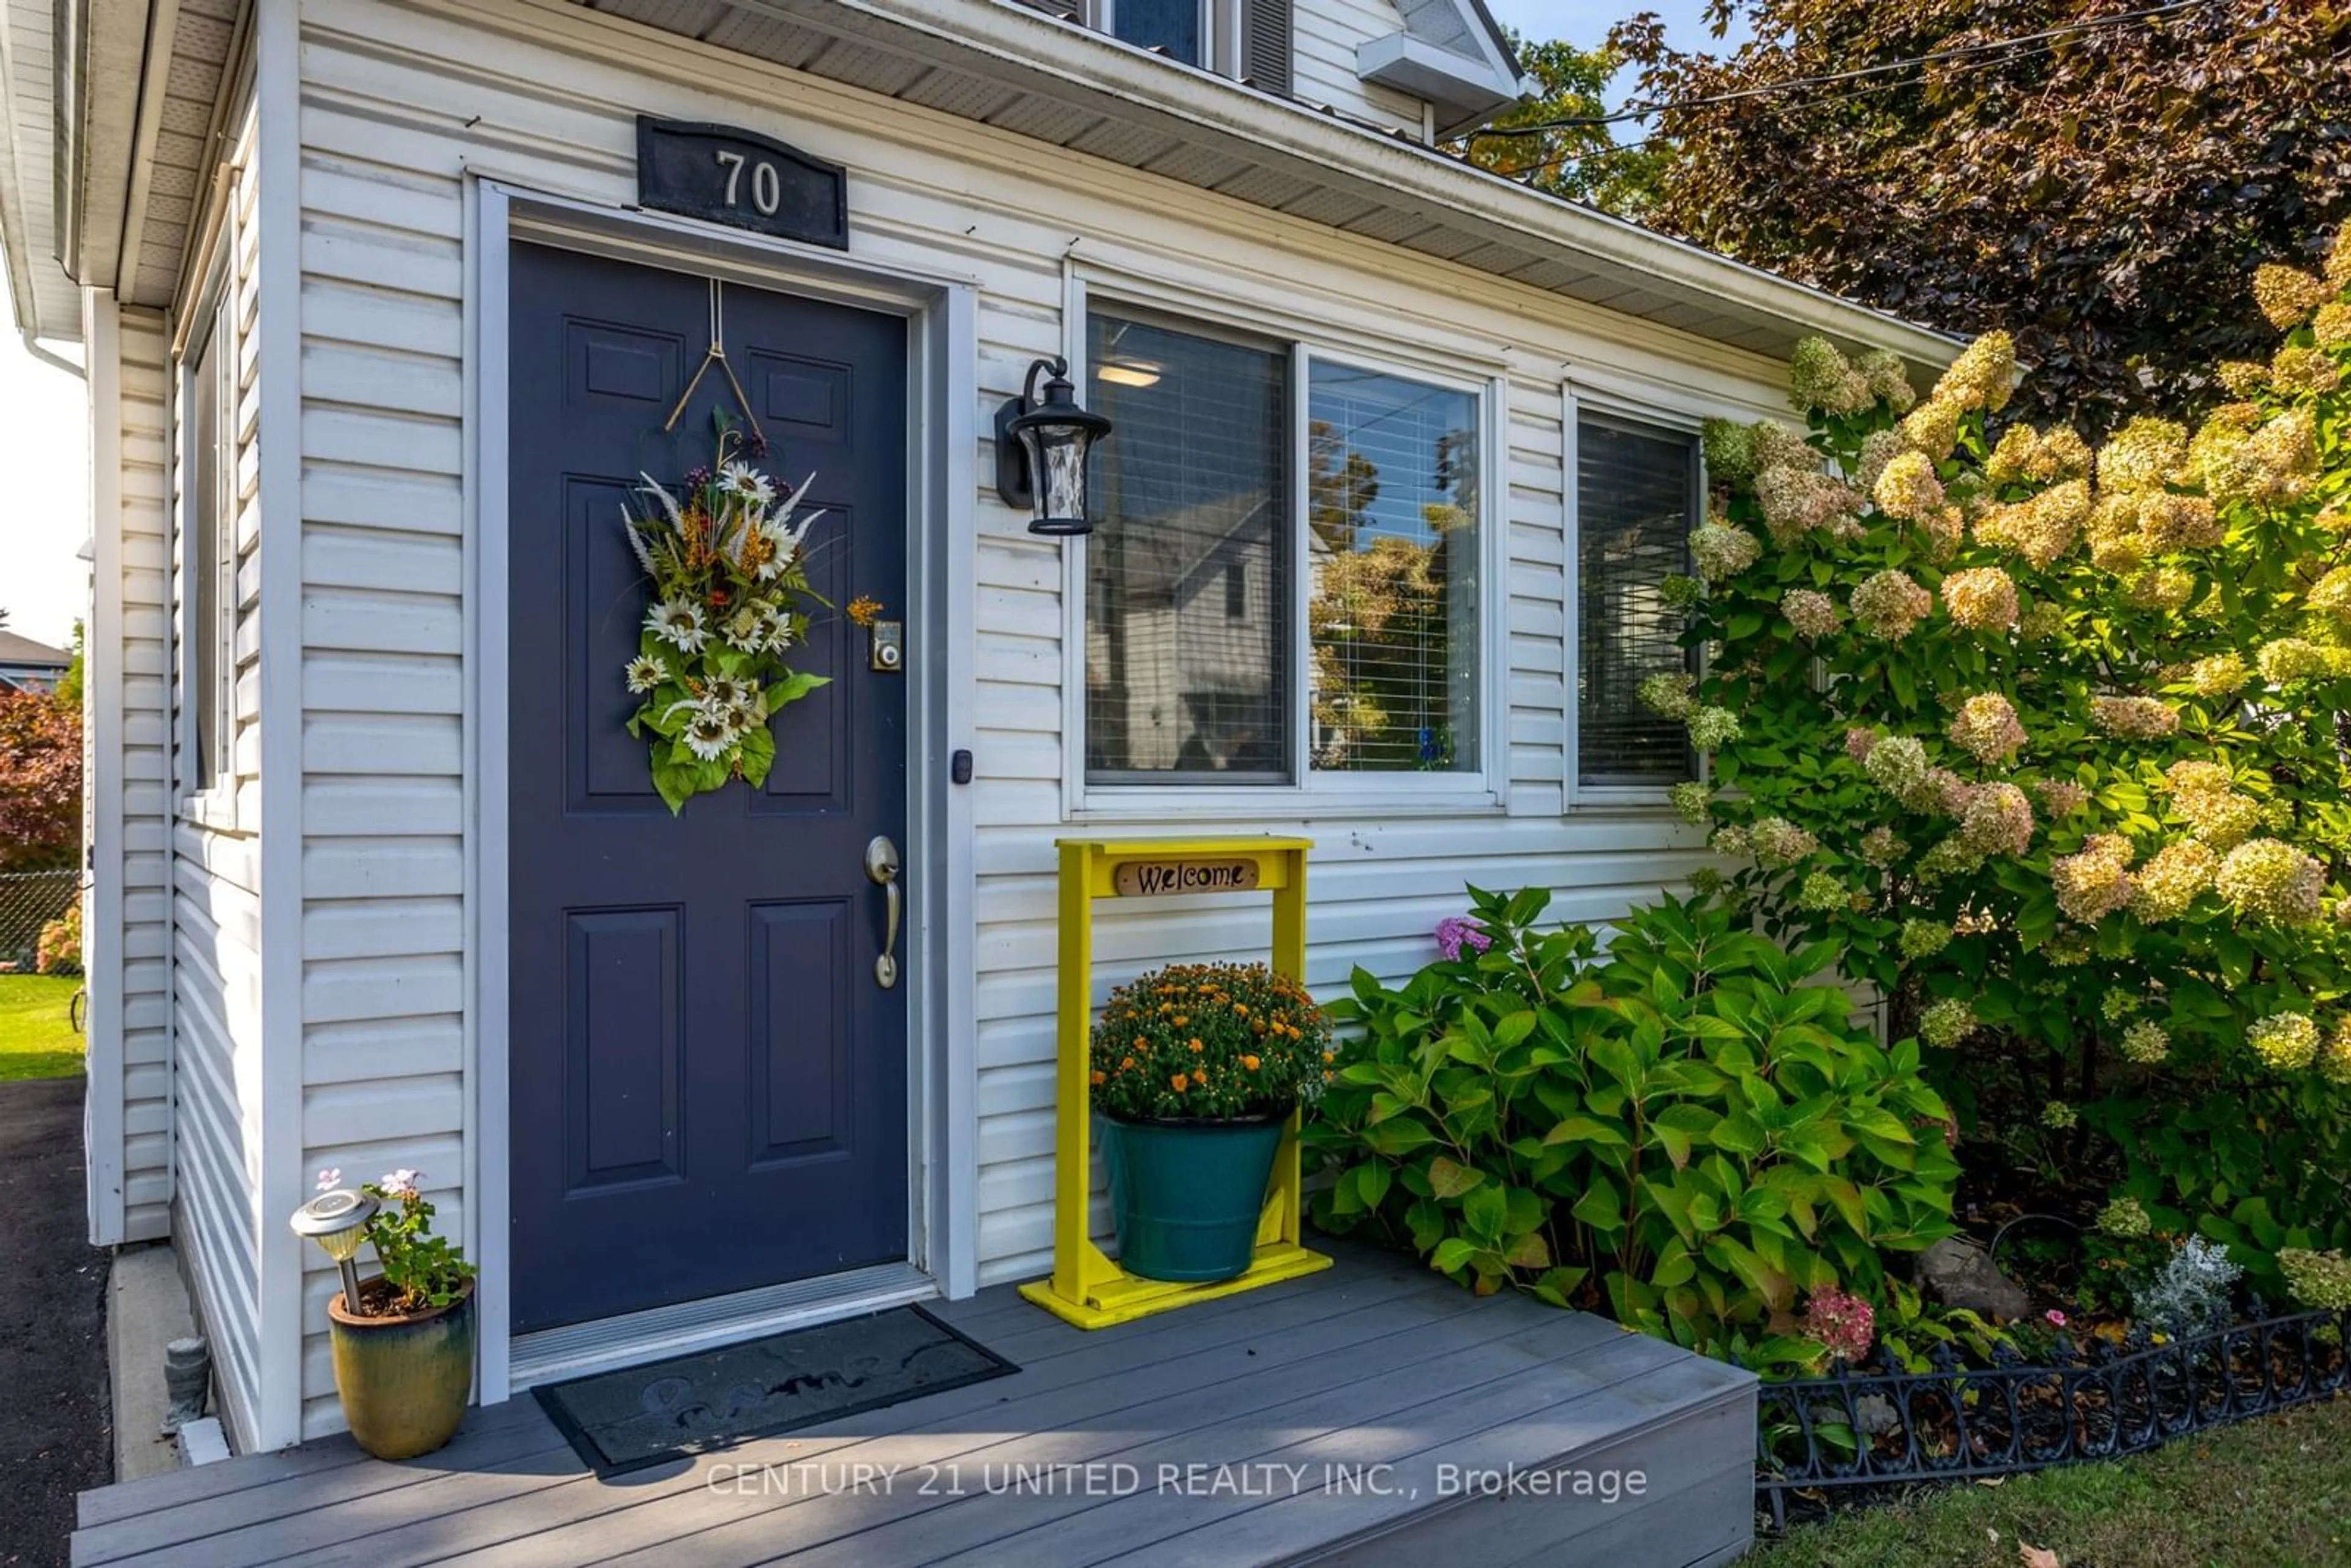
(1179,1083)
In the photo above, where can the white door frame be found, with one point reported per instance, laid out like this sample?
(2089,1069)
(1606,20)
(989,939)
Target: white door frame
(941,312)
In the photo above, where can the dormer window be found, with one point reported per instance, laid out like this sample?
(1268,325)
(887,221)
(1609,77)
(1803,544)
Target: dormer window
(1177,28)
(1246,40)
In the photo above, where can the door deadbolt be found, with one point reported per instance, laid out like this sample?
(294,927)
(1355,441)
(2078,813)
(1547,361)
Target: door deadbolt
(889,646)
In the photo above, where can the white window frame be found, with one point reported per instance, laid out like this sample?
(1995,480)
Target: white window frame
(209,800)
(1579,396)
(1482,788)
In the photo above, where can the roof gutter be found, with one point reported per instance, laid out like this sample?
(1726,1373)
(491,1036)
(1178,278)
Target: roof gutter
(1025,44)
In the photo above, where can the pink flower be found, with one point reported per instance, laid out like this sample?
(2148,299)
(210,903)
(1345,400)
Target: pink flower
(400,1184)
(1456,932)
(1843,1322)
(329,1177)
(2056,1319)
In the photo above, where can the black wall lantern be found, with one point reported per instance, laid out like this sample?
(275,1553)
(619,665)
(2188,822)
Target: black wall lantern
(1040,450)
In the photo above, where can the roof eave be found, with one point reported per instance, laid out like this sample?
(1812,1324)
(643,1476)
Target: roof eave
(1024,45)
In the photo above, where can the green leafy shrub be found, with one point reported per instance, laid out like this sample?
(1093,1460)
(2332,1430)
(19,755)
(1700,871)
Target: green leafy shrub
(1682,1127)
(1209,1042)
(2050,741)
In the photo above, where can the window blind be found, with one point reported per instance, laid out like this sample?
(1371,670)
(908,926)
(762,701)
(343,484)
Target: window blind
(1392,499)
(1188,580)
(1636,500)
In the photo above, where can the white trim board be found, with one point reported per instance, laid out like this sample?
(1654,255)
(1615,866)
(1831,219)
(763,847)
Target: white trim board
(943,350)
(281,1185)
(103,703)
(582,1350)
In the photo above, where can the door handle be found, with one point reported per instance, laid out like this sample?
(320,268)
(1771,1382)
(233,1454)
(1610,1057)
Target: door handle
(881,865)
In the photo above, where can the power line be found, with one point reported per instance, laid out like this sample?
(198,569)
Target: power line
(1961,51)
(1784,110)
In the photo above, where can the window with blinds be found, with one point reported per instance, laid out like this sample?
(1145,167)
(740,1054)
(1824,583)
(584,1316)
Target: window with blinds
(1637,501)
(1253,40)
(1392,544)
(1188,576)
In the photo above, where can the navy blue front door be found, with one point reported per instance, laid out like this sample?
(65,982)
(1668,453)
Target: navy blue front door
(707,1082)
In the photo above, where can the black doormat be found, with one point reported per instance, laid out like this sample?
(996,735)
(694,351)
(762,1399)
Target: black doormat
(642,1416)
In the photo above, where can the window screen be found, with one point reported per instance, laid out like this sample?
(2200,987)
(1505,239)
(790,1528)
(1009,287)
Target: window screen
(1188,576)
(1392,512)
(1636,500)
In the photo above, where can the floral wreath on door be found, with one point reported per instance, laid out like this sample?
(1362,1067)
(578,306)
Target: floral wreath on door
(726,560)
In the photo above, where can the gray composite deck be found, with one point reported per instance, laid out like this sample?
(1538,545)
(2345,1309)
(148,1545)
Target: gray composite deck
(1373,1363)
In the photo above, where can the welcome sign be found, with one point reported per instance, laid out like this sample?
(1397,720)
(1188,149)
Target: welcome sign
(1161,879)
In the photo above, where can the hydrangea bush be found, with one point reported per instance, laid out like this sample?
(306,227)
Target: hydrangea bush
(2048,736)
(1683,1128)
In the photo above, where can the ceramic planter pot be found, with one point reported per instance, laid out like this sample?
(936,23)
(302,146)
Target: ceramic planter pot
(1187,1195)
(403,1380)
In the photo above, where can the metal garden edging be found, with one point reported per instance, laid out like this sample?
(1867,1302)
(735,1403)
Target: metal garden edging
(1955,1423)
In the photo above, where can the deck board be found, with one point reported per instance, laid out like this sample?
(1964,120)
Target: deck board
(174,1488)
(1374,1362)
(1091,1368)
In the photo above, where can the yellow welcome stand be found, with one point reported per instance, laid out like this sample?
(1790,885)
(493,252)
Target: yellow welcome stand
(1087,1287)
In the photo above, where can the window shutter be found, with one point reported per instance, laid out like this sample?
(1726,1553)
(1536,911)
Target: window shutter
(1636,500)
(1267,31)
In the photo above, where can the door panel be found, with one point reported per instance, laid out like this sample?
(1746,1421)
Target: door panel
(621,1068)
(709,1088)
(801,1104)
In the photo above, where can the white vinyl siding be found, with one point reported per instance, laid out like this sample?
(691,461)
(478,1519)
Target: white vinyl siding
(217,857)
(382,922)
(128,700)
(1329,33)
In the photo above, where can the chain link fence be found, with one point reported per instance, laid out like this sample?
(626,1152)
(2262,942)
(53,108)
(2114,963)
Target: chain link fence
(40,922)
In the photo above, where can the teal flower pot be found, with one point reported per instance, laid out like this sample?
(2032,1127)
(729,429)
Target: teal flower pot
(1187,1195)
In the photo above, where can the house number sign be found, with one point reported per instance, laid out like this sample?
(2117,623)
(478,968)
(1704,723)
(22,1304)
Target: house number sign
(742,179)
(1161,879)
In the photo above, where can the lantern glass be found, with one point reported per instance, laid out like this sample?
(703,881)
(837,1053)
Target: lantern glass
(1057,467)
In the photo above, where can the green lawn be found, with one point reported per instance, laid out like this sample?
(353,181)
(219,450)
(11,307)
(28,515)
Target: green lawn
(2269,1493)
(37,1038)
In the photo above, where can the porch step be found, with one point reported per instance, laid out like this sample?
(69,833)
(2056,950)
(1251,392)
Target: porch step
(1371,1414)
